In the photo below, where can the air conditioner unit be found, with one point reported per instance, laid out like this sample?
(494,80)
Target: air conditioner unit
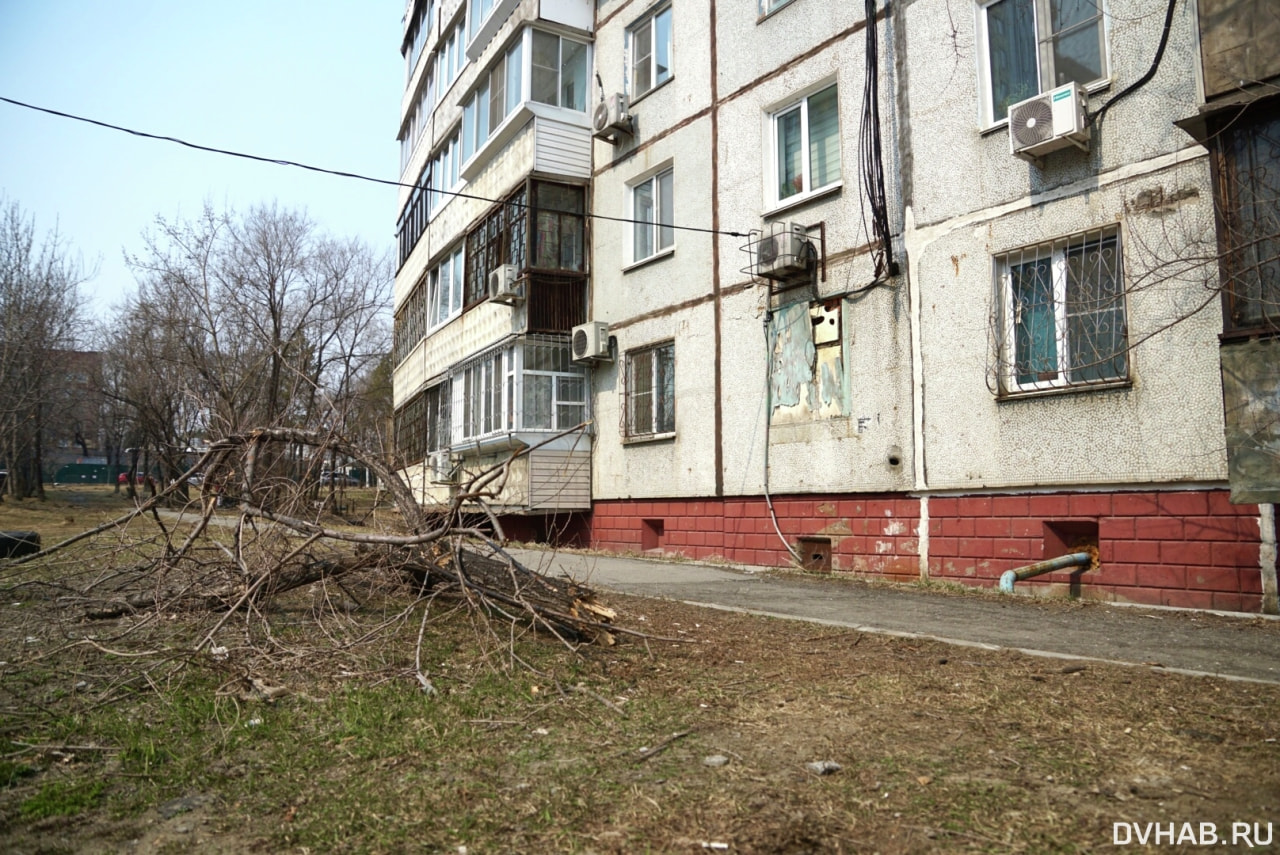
(1048,122)
(503,285)
(590,342)
(612,118)
(441,468)
(783,251)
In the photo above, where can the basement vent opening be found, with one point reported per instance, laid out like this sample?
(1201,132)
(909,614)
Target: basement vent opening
(815,553)
(651,532)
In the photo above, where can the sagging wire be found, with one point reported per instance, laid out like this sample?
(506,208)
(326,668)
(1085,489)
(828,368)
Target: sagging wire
(768,422)
(275,161)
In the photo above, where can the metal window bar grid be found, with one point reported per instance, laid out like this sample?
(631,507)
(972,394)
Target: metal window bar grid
(1063,320)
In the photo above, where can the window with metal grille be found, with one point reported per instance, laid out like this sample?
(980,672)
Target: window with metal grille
(651,391)
(422,425)
(500,238)
(1063,318)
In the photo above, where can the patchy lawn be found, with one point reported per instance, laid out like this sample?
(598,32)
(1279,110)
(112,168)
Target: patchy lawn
(701,743)
(660,747)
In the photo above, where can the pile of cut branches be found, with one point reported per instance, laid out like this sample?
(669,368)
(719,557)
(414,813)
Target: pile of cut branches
(263,526)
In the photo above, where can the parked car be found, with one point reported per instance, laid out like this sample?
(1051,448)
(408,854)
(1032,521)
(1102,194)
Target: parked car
(339,479)
(139,479)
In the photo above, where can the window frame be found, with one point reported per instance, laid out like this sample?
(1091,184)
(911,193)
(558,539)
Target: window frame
(774,200)
(559,69)
(768,7)
(650,21)
(662,420)
(1014,374)
(422,425)
(656,228)
(492,96)
(1043,47)
(490,390)
(1250,298)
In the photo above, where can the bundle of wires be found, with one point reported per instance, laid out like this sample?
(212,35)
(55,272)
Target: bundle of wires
(870,160)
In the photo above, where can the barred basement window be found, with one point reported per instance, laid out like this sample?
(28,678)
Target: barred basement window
(1063,320)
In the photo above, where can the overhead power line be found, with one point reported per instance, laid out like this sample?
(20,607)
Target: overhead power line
(275,161)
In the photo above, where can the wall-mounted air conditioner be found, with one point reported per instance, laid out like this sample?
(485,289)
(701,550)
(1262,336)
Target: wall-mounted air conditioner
(590,342)
(503,285)
(441,468)
(612,118)
(1048,122)
(783,251)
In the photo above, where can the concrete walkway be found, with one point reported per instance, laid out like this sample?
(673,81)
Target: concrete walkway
(1203,643)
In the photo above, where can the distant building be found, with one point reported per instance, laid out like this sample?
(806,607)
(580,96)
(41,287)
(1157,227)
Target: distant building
(936,295)
(75,424)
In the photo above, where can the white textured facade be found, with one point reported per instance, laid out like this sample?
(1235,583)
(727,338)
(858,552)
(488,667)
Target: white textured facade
(968,359)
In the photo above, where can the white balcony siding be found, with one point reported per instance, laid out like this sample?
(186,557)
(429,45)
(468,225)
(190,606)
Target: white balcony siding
(577,14)
(556,477)
(561,148)
(469,333)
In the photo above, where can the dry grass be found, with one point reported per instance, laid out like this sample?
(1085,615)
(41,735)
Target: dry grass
(528,747)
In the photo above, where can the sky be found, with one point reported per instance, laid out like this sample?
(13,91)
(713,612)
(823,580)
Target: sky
(317,82)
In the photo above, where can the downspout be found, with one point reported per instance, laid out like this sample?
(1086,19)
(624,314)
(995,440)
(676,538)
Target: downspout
(717,310)
(904,158)
(1075,559)
(1267,558)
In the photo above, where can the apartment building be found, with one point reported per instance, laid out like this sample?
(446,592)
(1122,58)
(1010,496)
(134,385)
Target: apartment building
(493,252)
(927,291)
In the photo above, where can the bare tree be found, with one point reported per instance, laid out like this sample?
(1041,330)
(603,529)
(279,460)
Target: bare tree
(41,314)
(250,321)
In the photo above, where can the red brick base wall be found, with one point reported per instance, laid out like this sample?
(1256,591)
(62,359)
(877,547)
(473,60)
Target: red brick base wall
(869,534)
(1190,549)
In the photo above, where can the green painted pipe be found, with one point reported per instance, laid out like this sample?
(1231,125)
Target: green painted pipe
(1075,559)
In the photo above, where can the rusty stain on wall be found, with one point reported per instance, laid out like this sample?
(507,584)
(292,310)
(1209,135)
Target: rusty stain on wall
(1154,200)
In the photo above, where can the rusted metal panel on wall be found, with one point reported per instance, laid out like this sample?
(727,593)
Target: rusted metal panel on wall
(556,304)
(1251,404)
(559,480)
(1238,44)
(808,362)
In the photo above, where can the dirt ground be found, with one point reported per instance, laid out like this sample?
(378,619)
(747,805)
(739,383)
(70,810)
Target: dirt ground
(937,748)
(706,731)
